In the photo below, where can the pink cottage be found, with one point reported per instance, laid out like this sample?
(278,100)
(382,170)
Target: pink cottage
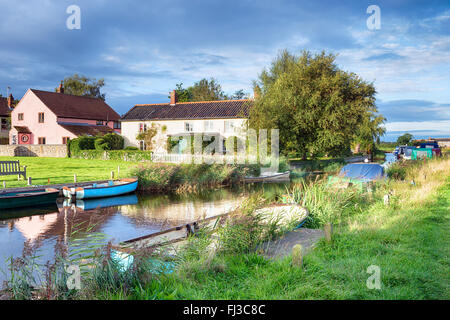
(43,117)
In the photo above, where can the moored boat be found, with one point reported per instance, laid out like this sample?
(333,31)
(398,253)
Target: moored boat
(109,189)
(32,198)
(274,177)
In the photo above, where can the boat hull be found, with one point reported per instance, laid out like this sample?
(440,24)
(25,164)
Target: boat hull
(28,199)
(281,177)
(108,191)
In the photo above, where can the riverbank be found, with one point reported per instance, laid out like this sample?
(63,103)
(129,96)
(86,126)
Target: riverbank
(408,240)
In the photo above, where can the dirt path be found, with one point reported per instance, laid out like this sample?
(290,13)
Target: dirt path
(282,247)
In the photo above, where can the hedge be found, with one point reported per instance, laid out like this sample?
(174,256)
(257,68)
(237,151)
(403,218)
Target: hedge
(124,155)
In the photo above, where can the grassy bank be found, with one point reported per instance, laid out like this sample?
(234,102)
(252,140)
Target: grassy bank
(61,170)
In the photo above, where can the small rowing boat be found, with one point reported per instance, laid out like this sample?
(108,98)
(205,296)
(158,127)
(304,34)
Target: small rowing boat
(174,237)
(109,189)
(28,199)
(270,177)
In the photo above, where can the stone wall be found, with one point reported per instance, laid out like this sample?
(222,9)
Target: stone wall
(35,150)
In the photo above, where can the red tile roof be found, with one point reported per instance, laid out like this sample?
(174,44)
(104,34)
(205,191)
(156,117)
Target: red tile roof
(4,109)
(90,130)
(190,110)
(71,106)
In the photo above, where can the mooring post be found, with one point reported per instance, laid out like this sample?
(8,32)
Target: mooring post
(112,175)
(328,229)
(29,181)
(4,184)
(386,199)
(75,177)
(118,172)
(297,255)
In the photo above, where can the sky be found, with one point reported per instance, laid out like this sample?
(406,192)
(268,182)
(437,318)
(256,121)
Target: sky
(144,48)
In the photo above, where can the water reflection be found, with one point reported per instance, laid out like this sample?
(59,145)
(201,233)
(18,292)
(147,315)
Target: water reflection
(120,218)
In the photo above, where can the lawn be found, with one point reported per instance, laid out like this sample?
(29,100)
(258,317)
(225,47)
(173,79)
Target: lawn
(62,170)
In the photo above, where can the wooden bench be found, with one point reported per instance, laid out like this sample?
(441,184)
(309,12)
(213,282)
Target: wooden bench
(9,168)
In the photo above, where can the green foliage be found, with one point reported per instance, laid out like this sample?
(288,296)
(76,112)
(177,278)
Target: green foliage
(81,143)
(317,107)
(404,139)
(83,86)
(205,90)
(118,155)
(110,141)
(131,148)
(148,135)
(189,177)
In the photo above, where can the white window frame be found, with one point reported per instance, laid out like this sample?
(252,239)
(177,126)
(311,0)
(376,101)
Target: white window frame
(208,125)
(188,127)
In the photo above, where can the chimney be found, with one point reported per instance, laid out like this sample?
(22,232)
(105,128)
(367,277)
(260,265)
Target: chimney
(256,92)
(173,97)
(10,101)
(61,88)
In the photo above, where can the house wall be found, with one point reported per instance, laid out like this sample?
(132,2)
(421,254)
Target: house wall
(131,128)
(30,105)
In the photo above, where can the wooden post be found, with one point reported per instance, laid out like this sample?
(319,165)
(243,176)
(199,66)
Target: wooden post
(118,172)
(29,181)
(75,178)
(328,229)
(112,175)
(386,199)
(297,255)
(4,184)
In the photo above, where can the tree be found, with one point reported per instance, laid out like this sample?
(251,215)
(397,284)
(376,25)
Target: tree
(318,108)
(206,90)
(183,95)
(83,86)
(238,95)
(404,139)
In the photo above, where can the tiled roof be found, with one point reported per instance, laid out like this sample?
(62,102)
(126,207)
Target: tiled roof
(4,110)
(22,129)
(71,106)
(90,130)
(190,110)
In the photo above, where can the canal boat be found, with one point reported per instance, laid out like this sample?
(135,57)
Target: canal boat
(358,174)
(91,204)
(31,198)
(269,177)
(109,189)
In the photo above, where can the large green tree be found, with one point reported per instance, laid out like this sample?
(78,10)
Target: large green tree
(83,86)
(205,90)
(404,139)
(318,108)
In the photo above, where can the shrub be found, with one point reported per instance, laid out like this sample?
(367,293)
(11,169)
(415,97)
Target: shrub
(131,148)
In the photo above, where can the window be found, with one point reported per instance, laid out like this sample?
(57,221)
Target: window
(229,126)
(20,116)
(41,117)
(4,124)
(99,122)
(188,127)
(142,145)
(41,140)
(117,125)
(142,127)
(65,140)
(209,125)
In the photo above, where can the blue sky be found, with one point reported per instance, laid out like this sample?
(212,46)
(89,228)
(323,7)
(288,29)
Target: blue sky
(143,48)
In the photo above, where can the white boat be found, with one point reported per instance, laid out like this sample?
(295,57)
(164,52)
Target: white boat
(270,177)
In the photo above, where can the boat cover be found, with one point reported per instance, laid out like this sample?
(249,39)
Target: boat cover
(363,171)
(422,153)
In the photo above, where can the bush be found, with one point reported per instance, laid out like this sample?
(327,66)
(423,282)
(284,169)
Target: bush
(131,148)
(123,155)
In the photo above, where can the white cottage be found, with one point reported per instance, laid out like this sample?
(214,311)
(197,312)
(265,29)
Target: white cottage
(223,118)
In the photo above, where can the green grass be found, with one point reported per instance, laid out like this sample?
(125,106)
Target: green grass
(61,170)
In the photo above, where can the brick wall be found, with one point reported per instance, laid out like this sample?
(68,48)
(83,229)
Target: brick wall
(37,150)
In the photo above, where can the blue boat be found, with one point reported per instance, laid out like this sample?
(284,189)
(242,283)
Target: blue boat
(109,189)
